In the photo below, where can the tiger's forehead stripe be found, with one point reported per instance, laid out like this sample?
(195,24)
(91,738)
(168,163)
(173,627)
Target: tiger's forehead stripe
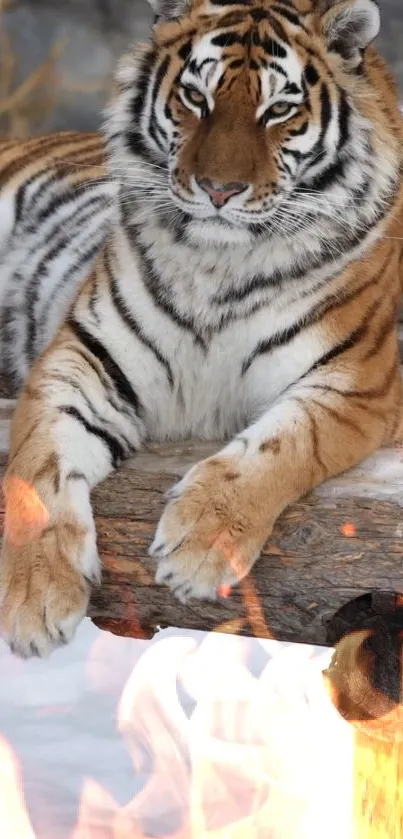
(169,33)
(180,36)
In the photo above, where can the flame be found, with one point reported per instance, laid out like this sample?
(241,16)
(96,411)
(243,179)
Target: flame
(14,820)
(26,515)
(215,749)
(348,529)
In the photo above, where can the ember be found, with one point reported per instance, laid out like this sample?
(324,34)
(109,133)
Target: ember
(26,514)
(348,529)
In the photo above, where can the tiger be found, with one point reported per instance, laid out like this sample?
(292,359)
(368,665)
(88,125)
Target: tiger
(221,262)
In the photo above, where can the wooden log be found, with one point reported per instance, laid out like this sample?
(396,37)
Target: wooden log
(311,566)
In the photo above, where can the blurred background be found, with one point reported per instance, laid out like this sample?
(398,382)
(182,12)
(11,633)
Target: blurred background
(57,58)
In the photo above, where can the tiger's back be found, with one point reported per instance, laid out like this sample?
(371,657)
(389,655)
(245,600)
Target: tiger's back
(56,205)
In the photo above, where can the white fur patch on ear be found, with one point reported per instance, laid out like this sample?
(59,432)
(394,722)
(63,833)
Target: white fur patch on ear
(169,9)
(350,26)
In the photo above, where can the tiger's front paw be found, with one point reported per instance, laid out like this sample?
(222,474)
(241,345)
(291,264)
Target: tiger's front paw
(43,591)
(212,529)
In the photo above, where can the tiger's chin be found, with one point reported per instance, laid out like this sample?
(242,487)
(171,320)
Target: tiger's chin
(218,232)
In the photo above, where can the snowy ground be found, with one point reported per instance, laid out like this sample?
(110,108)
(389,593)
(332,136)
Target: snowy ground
(183,700)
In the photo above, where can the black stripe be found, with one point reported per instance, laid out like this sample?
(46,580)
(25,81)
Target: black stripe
(40,147)
(344,120)
(278,68)
(330,303)
(294,153)
(129,319)
(325,117)
(115,448)
(272,47)
(232,3)
(386,329)
(55,171)
(19,203)
(290,5)
(258,14)
(54,177)
(333,173)
(270,344)
(342,346)
(259,282)
(228,39)
(299,132)
(311,75)
(291,88)
(325,114)
(66,195)
(40,274)
(158,292)
(287,167)
(80,350)
(279,29)
(33,291)
(369,393)
(153,125)
(120,382)
(82,216)
(75,475)
(185,50)
(73,216)
(237,62)
(145,73)
(292,17)
(135,144)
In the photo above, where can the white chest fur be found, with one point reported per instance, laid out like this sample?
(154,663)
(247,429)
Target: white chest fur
(210,383)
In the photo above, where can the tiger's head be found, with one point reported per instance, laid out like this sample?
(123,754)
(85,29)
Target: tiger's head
(240,118)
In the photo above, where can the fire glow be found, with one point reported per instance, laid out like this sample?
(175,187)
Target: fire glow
(26,515)
(222,753)
(242,764)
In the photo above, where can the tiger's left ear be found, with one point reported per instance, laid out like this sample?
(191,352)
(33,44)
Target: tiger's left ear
(169,9)
(349,26)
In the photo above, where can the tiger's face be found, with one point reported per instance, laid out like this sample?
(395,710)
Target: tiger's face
(249,110)
(242,122)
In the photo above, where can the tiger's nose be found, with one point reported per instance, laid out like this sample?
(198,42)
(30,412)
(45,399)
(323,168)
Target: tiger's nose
(219,194)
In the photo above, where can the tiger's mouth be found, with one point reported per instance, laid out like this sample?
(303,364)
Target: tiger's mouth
(222,217)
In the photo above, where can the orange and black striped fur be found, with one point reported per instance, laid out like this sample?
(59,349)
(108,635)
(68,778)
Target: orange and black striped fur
(232,271)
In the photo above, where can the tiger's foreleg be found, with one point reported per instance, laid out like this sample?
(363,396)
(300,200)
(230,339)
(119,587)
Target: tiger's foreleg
(220,515)
(71,427)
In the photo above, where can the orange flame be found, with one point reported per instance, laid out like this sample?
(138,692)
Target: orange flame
(14,820)
(26,515)
(237,765)
(348,529)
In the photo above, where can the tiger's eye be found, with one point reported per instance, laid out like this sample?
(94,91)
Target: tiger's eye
(279,109)
(194,96)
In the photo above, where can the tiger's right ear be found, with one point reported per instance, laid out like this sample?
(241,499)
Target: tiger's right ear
(349,26)
(169,9)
